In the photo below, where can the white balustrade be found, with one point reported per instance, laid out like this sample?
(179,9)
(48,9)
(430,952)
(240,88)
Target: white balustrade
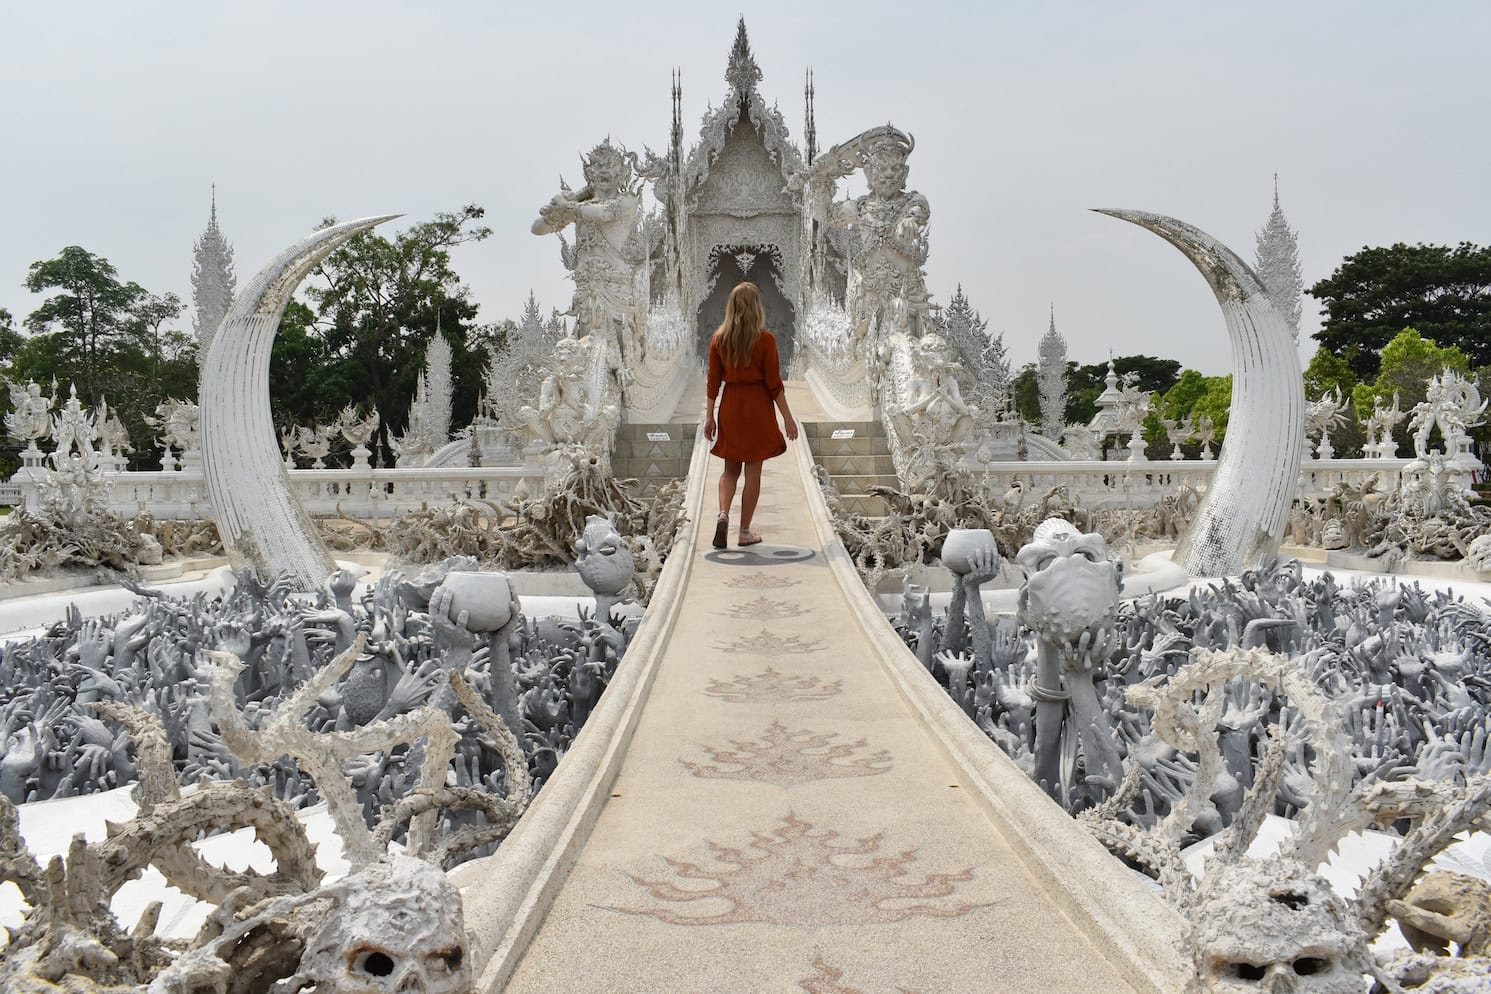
(387,493)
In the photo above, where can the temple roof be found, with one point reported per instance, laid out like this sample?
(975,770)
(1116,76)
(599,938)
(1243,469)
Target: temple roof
(742,74)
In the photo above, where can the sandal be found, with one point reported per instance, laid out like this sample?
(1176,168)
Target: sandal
(748,537)
(722,530)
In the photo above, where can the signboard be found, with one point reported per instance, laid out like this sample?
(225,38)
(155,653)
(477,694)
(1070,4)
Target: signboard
(659,436)
(842,433)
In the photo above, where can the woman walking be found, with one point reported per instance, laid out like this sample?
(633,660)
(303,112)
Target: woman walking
(743,356)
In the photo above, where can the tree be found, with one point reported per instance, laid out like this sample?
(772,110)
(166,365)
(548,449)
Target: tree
(90,315)
(11,338)
(1277,261)
(1084,384)
(1407,363)
(378,302)
(1443,292)
(1328,371)
(111,339)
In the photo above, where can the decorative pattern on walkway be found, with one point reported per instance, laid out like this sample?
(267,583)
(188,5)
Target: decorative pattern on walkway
(796,874)
(783,822)
(771,687)
(787,758)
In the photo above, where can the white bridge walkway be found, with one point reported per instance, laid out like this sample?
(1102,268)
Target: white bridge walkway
(791,805)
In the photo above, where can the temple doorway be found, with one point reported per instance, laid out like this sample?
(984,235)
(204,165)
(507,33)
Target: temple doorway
(729,265)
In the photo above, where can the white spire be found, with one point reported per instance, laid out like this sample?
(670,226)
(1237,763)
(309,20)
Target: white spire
(1050,374)
(1277,264)
(213,281)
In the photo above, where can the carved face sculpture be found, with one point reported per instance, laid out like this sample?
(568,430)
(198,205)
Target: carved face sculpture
(605,563)
(1273,926)
(606,169)
(886,170)
(398,929)
(1070,584)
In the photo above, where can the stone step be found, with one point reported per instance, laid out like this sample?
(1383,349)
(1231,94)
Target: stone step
(860,483)
(650,469)
(815,430)
(631,449)
(838,465)
(866,505)
(640,431)
(864,446)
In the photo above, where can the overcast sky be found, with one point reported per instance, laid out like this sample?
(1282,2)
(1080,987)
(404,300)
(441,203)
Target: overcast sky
(115,118)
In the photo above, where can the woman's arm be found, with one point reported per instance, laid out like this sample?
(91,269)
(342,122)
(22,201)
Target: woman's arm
(788,425)
(712,389)
(772,370)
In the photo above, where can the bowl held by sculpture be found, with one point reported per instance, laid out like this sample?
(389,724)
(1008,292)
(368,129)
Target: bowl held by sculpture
(486,597)
(960,545)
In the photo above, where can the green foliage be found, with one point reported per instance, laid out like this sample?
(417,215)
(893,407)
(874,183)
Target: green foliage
(1194,394)
(377,304)
(110,339)
(1407,363)
(11,338)
(1327,372)
(1084,384)
(1025,390)
(1374,294)
(1180,399)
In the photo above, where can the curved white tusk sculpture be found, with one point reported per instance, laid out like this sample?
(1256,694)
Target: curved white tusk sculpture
(1241,520)
(262,524)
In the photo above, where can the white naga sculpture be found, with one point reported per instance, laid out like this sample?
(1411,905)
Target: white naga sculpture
(261,523)
(606,261)
(574,415)
(926,412)
(179,424)
(1380,442)
(1454,406)
(1240,523)
(358,431)
(30,420)
(888,232)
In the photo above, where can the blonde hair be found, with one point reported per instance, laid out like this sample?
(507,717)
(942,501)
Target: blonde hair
(738,334)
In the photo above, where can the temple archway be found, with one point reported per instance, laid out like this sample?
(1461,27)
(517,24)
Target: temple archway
(729,265)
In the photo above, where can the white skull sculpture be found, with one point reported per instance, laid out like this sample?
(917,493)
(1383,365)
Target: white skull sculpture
(397,929)
(1274,926)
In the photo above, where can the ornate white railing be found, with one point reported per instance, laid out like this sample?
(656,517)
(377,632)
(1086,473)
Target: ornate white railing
(1143,483)
(387,493)
(352,493)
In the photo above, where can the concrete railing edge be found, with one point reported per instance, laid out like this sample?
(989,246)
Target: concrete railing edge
(506,895)
(1118,913)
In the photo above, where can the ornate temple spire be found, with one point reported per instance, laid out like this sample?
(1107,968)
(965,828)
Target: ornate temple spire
(742,73)
(213,281)
(676,135)
(1050,372)
(1277,264)
(810,124)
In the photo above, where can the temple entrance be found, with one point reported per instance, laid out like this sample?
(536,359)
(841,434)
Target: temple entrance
(729,265)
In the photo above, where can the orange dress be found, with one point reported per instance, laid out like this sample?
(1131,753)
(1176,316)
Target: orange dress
(747,422)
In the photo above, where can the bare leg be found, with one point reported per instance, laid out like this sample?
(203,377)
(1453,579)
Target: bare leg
(750,495)
(727,485)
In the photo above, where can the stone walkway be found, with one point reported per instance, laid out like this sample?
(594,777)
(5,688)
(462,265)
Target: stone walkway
(781,821)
